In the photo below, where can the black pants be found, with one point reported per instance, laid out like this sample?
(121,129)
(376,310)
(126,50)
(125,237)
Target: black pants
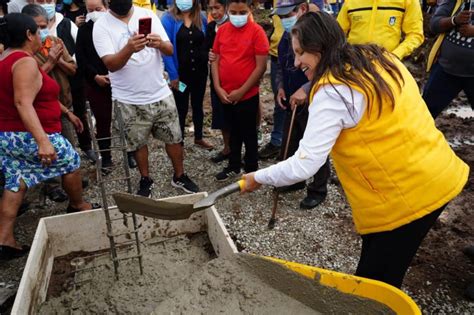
(100,100)
(386,256)
(196,88)
(243,130)
(79,108)
(320,180)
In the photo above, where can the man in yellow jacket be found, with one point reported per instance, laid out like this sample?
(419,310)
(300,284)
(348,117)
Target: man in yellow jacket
(385,23)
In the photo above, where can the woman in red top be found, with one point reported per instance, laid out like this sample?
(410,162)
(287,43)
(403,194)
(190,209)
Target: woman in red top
(31,146)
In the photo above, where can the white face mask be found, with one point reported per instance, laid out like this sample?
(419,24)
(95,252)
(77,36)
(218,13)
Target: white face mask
(94,16)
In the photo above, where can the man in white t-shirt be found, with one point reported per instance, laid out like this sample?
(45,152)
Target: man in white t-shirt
(139,89)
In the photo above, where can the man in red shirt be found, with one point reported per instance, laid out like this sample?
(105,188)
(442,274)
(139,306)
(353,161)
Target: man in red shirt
(241,49)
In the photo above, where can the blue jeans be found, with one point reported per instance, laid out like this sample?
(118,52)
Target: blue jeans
(441,88)
(278,113)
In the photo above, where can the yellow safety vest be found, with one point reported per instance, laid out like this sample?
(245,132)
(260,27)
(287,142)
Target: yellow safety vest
(398,167)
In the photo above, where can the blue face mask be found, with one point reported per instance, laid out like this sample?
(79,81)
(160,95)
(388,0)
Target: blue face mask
(68,2)
(50,9)
(288,23)
(222,20)
(184,5)
(238,20)
(43,34)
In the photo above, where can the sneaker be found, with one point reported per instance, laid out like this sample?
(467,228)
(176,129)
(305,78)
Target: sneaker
(226,174)
(146,185)
(185,183)
(91,156)
(269,151)
(132,163)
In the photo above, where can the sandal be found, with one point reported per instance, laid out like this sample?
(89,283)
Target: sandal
(8,252)
(71,209)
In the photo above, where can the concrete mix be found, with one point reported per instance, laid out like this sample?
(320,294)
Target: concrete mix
(181,277)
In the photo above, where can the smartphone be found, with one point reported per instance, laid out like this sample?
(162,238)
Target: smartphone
(182,87)
(144,26)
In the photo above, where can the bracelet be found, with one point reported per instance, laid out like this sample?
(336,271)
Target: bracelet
(452,20)
(67,112)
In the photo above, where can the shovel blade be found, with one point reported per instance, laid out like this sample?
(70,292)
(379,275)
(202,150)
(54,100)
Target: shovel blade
(148,207)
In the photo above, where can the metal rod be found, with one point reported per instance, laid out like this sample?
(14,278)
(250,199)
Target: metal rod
(103,191)
(276,194)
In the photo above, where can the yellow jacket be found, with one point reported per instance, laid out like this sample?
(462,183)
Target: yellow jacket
(395,166)
(383,22)
(437,44)
(277,33)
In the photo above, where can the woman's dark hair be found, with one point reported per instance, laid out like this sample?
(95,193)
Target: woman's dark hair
(4,6)
(195,15)
(222,2)
(35,10)
(248,2)
(13,29)
(359,65)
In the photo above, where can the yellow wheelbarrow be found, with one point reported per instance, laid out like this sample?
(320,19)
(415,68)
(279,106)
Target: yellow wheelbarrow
(379,291)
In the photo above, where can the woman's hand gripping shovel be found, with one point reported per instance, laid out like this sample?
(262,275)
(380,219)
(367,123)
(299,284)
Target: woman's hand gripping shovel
(168,210)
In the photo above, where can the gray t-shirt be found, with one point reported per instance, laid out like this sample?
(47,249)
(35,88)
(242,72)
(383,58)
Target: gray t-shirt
(456,52)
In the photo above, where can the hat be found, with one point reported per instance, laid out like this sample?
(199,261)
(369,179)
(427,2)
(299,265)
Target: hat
(284,7)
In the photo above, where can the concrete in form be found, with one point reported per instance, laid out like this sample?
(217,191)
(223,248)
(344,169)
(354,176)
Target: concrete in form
(86,231)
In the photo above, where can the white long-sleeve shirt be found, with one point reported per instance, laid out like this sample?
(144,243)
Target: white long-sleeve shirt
(328,116)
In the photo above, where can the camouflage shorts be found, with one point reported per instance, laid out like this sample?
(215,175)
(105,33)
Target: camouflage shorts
(159,119)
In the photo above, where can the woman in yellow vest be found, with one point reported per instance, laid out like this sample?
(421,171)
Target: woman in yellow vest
(396,168)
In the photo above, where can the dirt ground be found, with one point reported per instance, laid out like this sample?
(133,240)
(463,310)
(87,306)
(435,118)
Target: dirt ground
(439,272)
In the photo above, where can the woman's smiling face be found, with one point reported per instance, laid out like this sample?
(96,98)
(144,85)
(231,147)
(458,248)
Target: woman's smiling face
(306,62)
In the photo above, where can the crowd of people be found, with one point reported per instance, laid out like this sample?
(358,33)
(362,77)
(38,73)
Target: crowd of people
(339,72)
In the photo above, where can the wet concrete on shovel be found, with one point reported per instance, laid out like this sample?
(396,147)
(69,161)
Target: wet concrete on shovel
(183,276)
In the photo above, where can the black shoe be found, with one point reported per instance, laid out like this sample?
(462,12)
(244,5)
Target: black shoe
(71,209)
(469,252)
(470,291)
(290,188)
(107,166)
(219,157)
(185,183)
(132,163)
(226,174)
(310,202)
(23,208)
(146,185)
(91,156)
(269,151)
(8,253)
(57,194)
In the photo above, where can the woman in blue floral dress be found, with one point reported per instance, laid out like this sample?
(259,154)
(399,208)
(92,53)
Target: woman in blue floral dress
(31,146)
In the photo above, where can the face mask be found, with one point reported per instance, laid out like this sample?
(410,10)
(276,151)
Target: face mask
(288,23)
(222,20)
(120,7)
(43,34)
(184,5)
(50,9)
(68,2)
(94,16)
(238,20)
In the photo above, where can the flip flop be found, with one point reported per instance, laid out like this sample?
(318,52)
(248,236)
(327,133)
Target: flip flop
(8,252)
(71,209)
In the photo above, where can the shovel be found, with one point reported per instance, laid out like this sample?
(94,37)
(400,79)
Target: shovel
(168,210)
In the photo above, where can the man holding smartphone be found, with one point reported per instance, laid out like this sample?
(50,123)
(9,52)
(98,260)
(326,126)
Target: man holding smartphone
(139,89)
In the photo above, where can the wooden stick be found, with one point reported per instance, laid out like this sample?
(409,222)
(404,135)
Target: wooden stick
(276,194)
